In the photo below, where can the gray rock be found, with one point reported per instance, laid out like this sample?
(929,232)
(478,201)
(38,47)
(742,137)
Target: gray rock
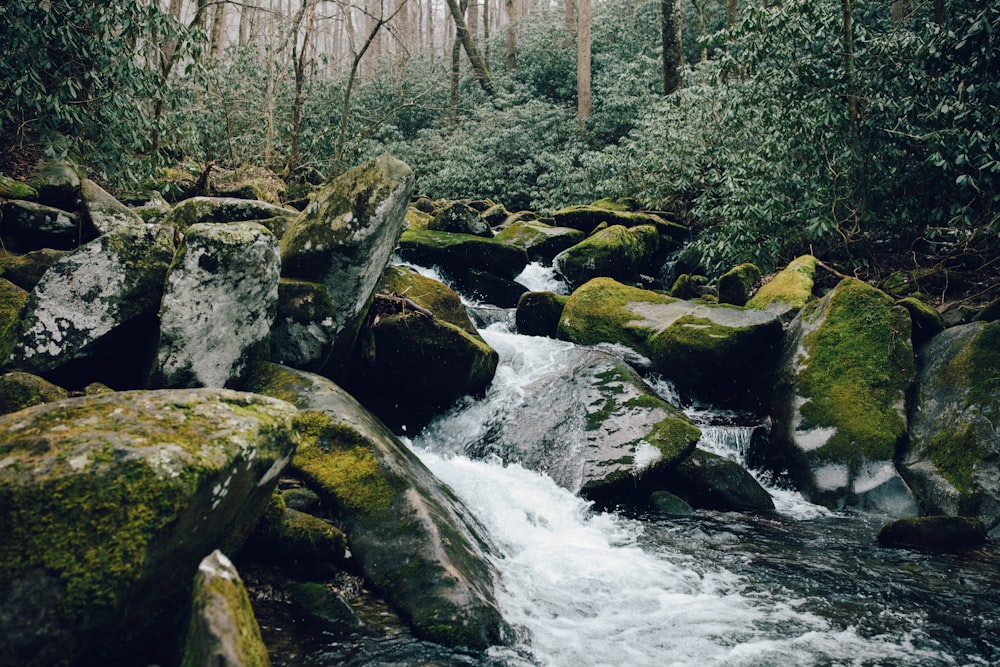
(110,502)
(223,209)
(89,294)
(223,631)
(459,218)
(305,329)
(103,213)
(30,226)
(218,305)
(346,237)
(58,185)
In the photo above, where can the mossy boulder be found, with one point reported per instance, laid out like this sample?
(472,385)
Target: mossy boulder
(952,461)
(541,241)
(840,399)
(19,390)
(588,217)
(459,218)
(594,427)
(102,213)
(990,312)
(108,504)
(346,236)
(495,215)
(427,293)
(26,270)
(456,254)
(218,305)
(941,533)
(925,321)
(304,330)
(538,313)
(300,543)
(616,252)
(94,307)
(11,188)
(689,287)
(57,184)
(29,226)
(409,536)
(410,365)
(788,291)
(12,298)
(223,630)
(229,209)
(717,353)
(738,284)
(709,481)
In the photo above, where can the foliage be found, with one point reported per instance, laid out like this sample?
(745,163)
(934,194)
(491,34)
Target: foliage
(70,77)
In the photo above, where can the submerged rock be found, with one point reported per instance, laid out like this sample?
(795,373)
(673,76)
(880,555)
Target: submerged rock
(840,399)
(948,533)
(410,537)
(345,238)
(952,461)
(223,631)
(717,353)
(110,501)
(218,306)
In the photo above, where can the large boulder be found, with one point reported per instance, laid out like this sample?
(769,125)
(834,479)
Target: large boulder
(717,353)
(26,270)
(223,631)
(305,329)
(102,213)
(737,285)
(29,226)
(457,254)
(410,364)
(953,461)
(459,218)
(941,533)
(218,305)
(840,399)
(788,291)
(92,306)
(595,428)
(538,313)
(410,537)
(617,252)
(108,503)
(229,209)
(541,241)
(345,238)
(709,481)
(588,217)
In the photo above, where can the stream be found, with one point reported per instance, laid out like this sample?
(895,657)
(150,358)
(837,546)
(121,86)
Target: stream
(801,586)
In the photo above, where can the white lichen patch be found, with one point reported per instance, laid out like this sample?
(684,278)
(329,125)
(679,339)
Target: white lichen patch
(645,455)
(831,477)
(79,462)
(813,438)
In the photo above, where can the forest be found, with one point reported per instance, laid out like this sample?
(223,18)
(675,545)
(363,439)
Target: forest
(865,133)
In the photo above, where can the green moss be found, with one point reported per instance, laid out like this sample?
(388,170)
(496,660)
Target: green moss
(792,286)
(21,390)
(954,455)
(417,219)
(11,188)
(977,366)
(859,368)
(431,294)
(12,298)
(598,312)
(736,284)
(335,459)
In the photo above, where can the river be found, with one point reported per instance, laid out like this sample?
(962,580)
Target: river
(801,586)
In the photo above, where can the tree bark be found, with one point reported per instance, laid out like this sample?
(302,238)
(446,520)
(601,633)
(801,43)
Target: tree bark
(571,22)
(306,16)
(731,13)
(583,101)
(670,24)
(477,62)
(511,55)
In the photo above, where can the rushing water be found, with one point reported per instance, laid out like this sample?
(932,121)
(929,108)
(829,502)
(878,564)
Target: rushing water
(802,586)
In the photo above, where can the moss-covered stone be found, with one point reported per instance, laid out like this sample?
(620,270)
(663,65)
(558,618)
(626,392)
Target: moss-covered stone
(616,252)
(737,284)
(428,293)
(303,544)
(26,270)
(416,219)
(688,286)
(29,226)
(102,213)
(538,313)
(459,218)
(11,188)
(458,253)
(57,184)
(408,534)
(946,533)
(925,321)
(109,503)
(12,298)
(990,312)
(223,631)
(841,396)
(709,481)
(304,329)
(22,390)
(228,209)
(953,449)
(789,291)
(588,217)
(541,241)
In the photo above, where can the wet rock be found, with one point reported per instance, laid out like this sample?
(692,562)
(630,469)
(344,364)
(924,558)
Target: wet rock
(709,481)
(840,397)
(952,461)
(223,631)
(412,539)
(109,503)
(541,241)
(456,254)
(538,313)
(345,238)
(717,353)
(218,305)
(297,541)
(667,504)
(947,533)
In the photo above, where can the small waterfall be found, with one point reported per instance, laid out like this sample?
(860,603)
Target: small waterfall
(731,442)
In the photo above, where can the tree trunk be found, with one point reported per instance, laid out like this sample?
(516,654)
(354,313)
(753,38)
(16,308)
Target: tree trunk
(456,61)
(671,33)
(571,22)
(731,14)
(699,5)
(859,181)
(511,36)
(218,41)
(478,65)
(305,17)
(583,102)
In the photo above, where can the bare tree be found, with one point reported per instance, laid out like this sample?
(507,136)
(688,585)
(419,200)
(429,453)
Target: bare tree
(583,102)
(478,64)
(670,23)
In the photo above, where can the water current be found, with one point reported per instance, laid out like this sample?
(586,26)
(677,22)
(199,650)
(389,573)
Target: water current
(801,586)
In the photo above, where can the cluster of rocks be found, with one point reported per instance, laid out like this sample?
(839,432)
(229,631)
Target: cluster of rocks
(225,376)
